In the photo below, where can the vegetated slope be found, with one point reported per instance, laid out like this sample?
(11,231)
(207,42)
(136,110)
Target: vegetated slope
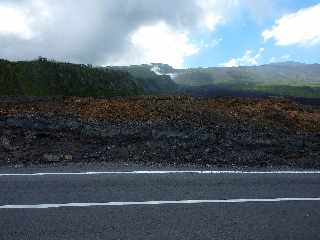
(150,80)
(283,79)
(49,78)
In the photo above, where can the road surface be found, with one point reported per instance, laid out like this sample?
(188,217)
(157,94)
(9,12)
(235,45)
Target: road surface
(121,204)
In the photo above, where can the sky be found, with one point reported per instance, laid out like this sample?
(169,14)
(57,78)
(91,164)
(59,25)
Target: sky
(181,33)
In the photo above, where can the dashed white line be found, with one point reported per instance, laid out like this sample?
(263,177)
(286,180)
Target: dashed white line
(148,203)
(157,172)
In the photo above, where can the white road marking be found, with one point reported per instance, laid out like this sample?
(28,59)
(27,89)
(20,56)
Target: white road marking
(157,172)
(110,204)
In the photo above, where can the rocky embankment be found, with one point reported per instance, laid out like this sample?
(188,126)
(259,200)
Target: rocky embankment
(165,130)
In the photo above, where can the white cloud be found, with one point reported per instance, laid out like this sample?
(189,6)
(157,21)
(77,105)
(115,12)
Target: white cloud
(273,60)
(210,44)
(101,32)
(300,28)
(248,59)
(215,12)
(14,21)
(283,58)
(158,44)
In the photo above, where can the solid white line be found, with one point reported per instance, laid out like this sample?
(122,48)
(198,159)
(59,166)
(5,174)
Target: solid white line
(110,204)
(158,172)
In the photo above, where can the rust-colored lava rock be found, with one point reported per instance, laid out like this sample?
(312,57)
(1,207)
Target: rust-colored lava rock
(166,130)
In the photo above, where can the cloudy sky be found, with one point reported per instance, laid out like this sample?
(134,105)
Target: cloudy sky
(182,33)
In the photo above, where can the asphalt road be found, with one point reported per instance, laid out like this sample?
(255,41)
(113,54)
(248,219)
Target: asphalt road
(178,220)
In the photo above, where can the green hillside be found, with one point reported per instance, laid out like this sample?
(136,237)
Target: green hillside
(284,79)
(47,78)
(151,82)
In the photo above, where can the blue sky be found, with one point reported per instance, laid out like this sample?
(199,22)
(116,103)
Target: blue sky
(244,32)
(182,33)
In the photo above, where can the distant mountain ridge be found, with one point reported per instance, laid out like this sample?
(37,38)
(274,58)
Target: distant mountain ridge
(285,79)
(287,71)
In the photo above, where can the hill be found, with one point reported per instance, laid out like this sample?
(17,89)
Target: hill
(284,79)
(152,81)
(49,78)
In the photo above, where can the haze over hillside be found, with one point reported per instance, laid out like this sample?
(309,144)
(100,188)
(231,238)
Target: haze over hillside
(286,78)
(275,73)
